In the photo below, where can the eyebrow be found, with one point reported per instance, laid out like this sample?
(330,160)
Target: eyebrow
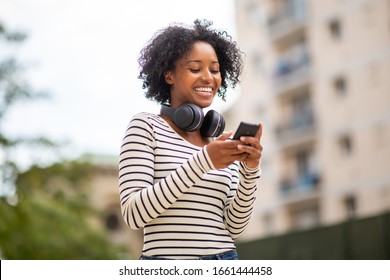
(200,61)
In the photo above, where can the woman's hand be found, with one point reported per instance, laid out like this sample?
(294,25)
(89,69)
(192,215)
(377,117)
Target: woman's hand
(252,147)
(248,150)
(224,152)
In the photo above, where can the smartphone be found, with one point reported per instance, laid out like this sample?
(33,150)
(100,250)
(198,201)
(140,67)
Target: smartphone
(245,129)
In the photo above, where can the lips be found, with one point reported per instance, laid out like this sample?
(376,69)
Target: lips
(204,90)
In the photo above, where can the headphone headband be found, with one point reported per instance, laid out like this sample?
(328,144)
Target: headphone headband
(189,117)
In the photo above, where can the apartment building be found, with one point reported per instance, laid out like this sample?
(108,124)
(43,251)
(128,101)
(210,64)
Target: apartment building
(317,74)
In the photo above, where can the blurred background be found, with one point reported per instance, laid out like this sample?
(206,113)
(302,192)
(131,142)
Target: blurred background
(316,75)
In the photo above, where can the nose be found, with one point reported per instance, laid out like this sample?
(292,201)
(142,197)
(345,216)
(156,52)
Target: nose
(207,76)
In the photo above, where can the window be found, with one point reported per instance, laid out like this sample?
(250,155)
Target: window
(302,159)
(340,86)
(302,112)
(301,103)
(335,29)
(350,206)
(345,143)
(112,222)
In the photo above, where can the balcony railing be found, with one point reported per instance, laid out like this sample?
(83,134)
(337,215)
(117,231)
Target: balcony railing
(292,71)
(287,20)
(287,66)
(296,125)
(284,16)
(305,184)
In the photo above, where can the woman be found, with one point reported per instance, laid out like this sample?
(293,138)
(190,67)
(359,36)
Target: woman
(190,190)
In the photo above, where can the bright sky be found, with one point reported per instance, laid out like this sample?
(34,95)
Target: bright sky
(84,52)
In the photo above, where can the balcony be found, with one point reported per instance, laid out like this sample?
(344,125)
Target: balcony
(288,22)
(305,187)
(299,129)
(292,72)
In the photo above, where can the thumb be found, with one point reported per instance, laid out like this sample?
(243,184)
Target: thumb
(224,136)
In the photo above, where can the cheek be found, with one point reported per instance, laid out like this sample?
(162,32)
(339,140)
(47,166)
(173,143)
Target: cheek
(218,81)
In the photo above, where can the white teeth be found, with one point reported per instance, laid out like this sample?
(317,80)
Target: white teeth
(204,89)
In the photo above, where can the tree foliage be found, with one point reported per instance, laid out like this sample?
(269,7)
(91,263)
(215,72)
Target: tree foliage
(48,214)
(53,218)
(14,89)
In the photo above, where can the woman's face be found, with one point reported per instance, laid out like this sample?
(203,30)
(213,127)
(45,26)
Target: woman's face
(196,77)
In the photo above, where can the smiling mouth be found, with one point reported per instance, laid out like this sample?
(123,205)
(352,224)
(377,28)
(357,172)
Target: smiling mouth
(204,90)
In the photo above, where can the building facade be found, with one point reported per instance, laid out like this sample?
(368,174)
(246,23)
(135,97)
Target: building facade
(317,75)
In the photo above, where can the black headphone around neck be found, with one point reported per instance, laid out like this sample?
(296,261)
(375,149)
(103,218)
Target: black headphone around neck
(189,117)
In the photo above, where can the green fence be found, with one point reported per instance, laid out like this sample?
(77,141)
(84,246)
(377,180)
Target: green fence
(360,239)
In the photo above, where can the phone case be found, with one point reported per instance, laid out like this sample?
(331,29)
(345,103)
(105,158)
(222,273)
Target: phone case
(245,129)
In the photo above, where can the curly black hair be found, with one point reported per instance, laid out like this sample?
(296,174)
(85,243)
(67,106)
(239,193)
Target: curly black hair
(171,43)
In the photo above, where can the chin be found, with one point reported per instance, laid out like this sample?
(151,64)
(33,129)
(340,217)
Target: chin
(204,104)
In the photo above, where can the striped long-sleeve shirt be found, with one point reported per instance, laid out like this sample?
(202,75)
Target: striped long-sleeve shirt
(170,188)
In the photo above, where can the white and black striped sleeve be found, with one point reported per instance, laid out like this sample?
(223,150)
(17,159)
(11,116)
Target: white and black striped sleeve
(239,204)
(141,199)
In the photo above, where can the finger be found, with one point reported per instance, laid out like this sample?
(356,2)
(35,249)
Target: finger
(255,139)
(224,136)
(240,157)
(259,131)
(232,144)
(252,151)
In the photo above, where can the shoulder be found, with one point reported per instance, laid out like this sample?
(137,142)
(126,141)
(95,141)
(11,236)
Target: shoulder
(147,119)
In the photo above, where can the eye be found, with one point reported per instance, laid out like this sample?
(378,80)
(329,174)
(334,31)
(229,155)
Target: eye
(214,71)
(193,70)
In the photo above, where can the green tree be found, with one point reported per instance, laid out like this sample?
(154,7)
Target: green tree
(53,218)
(44,211)
(13,89)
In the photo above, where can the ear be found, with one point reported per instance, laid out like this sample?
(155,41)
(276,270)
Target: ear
(168,77)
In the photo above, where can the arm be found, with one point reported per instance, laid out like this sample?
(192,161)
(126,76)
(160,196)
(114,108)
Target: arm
(239,205)
(141,199)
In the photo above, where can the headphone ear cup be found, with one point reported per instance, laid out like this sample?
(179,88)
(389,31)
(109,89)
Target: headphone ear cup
(213,124)
(188,117)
